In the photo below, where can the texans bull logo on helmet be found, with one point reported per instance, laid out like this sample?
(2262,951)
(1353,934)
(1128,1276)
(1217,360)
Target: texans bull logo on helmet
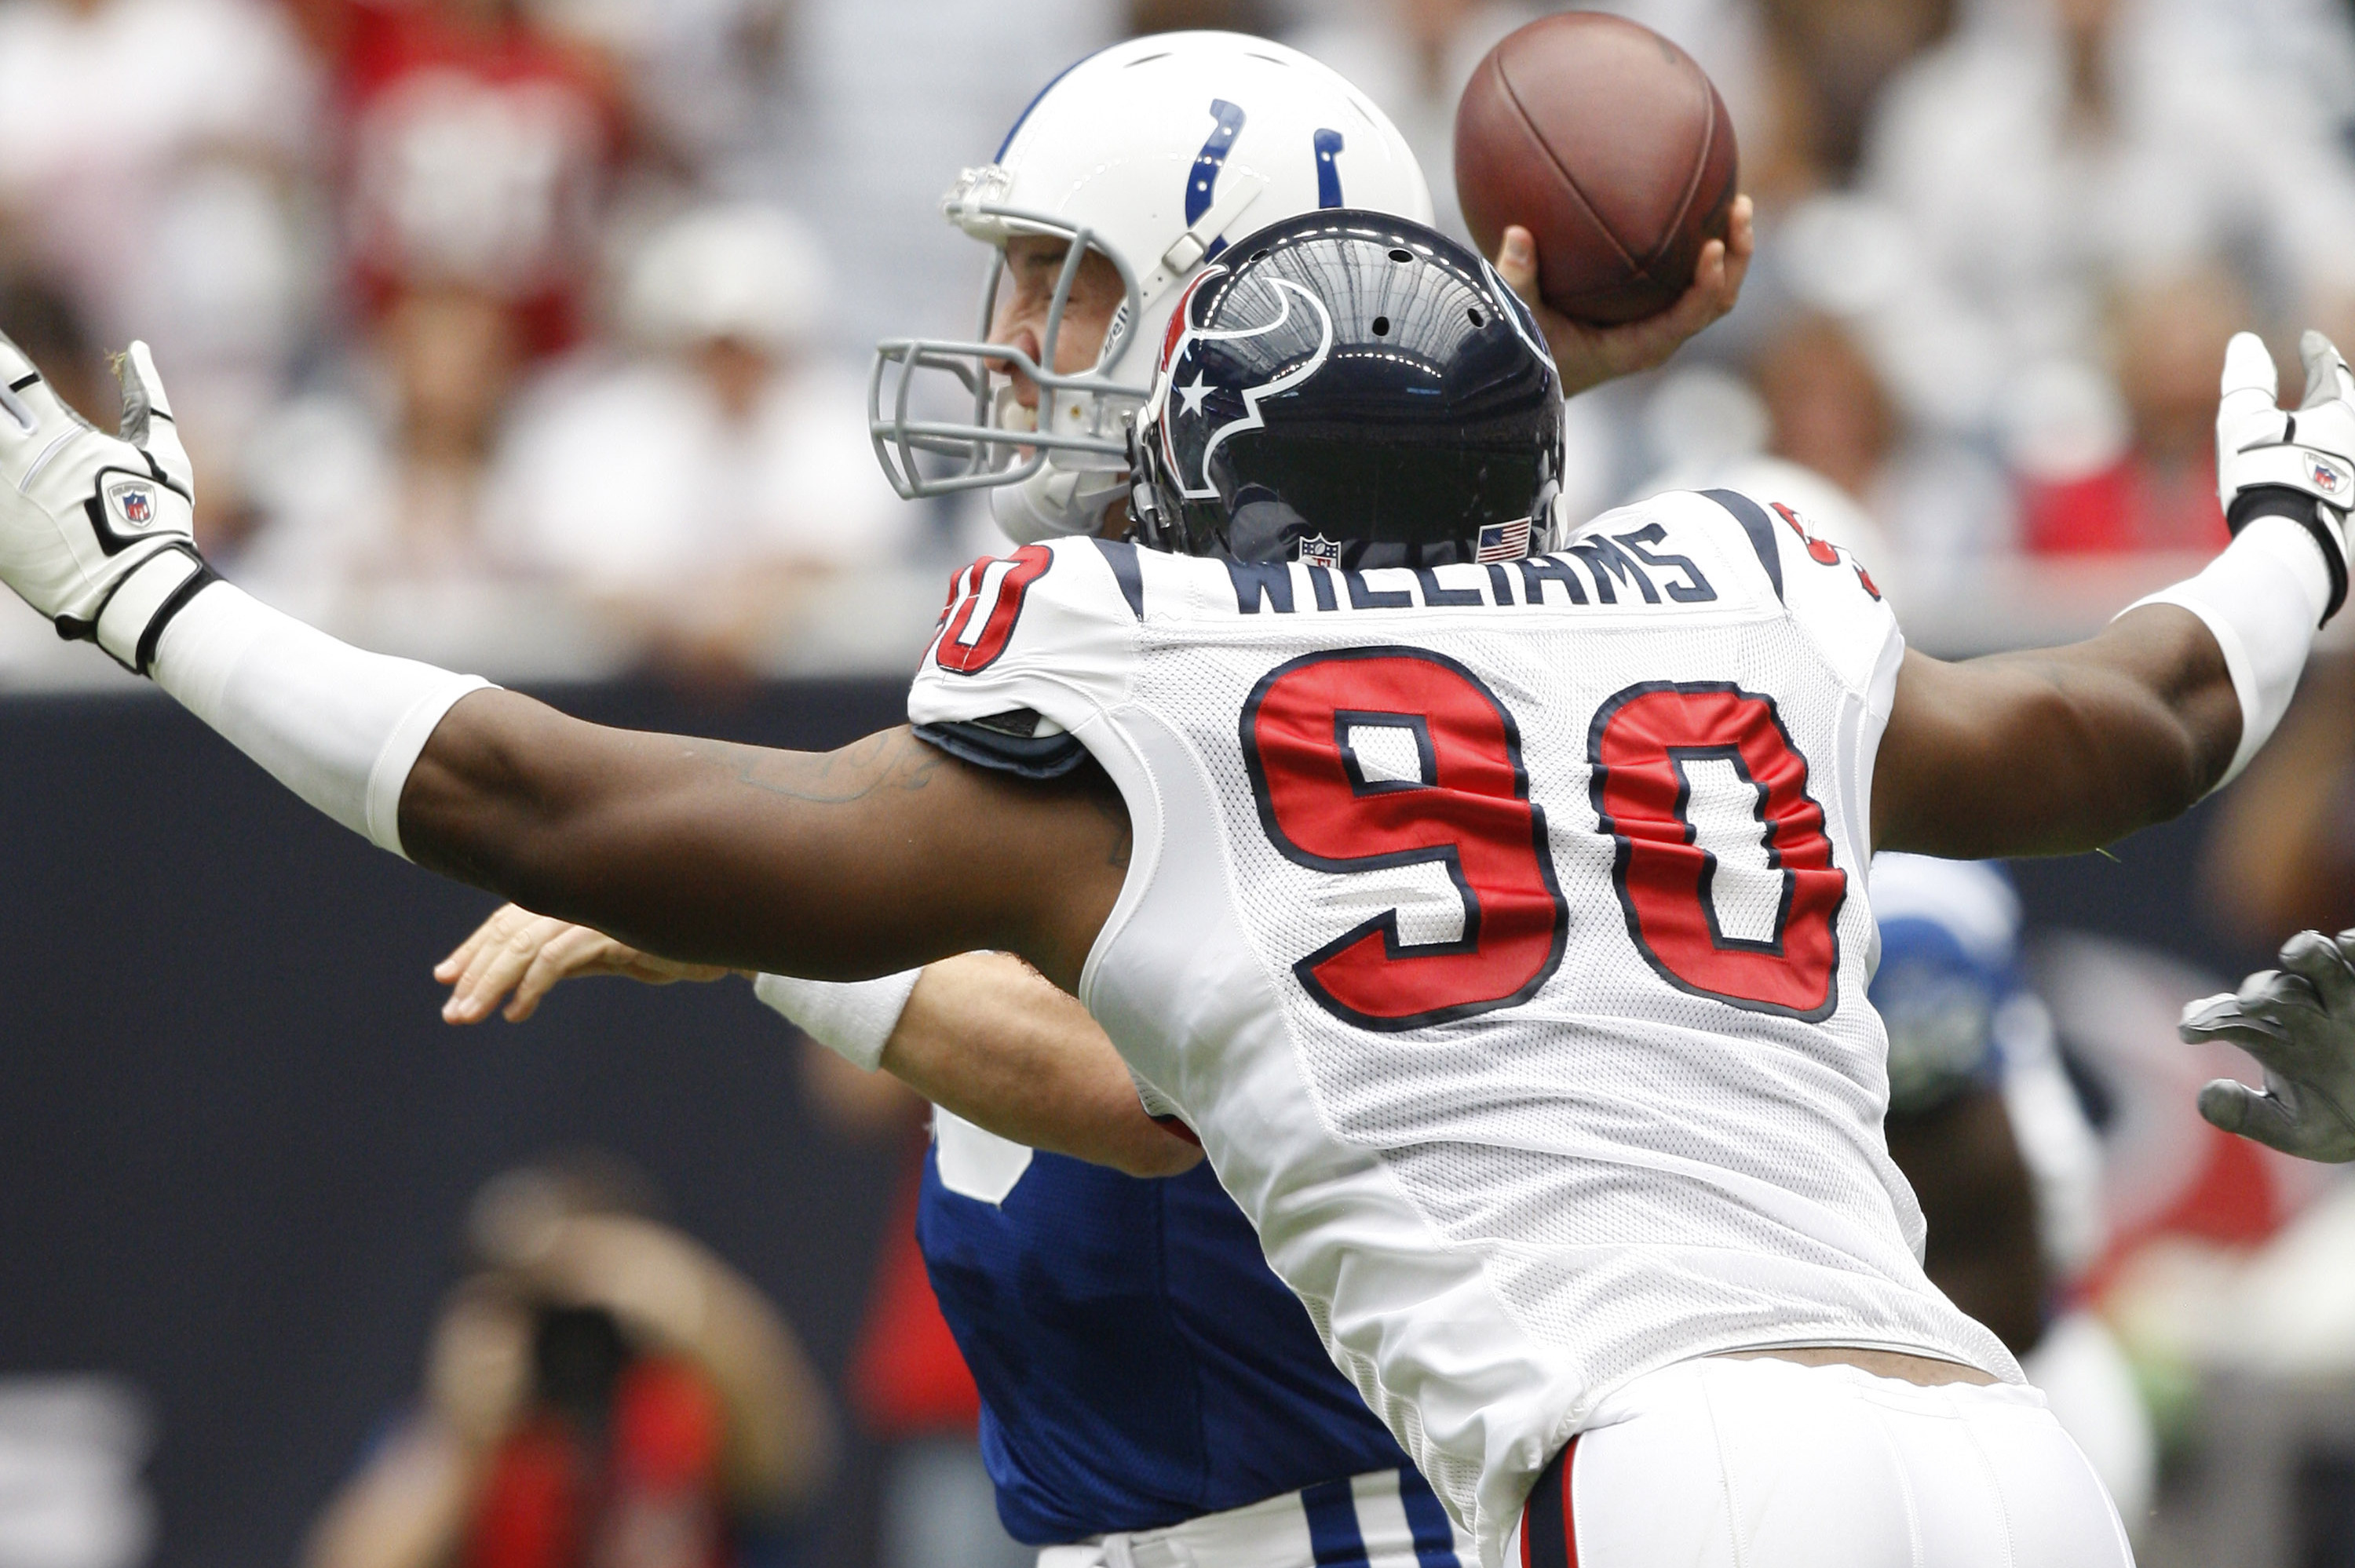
(1204,395)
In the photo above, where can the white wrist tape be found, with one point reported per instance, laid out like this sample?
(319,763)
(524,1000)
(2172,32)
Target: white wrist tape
(2263,599)
(853,1019)
(339,726)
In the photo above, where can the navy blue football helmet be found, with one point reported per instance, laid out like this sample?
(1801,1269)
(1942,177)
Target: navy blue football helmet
(1353,389)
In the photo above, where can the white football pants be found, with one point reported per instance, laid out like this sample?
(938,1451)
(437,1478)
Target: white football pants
(1768,1464)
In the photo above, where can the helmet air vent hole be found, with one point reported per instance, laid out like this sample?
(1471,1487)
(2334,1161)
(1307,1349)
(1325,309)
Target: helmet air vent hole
(1401,255)
(1382,326)
(1475,314)
(1259,255)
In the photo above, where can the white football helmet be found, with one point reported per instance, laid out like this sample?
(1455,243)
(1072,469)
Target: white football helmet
(1154,153)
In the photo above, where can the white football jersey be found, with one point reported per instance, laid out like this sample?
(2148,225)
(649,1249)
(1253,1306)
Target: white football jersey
(1502,931)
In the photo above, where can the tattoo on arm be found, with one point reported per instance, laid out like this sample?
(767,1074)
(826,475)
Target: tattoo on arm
(893,759)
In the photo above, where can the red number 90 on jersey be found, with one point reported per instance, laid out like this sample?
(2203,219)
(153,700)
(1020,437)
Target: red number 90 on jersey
(1465,806)
(1371,760)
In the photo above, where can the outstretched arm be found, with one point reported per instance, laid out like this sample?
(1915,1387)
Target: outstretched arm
(873,859)
(981,1035)
(2066,748)
(866,861)
(2057,750)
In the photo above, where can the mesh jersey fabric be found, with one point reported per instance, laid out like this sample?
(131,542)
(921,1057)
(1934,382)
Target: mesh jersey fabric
(1585,1160)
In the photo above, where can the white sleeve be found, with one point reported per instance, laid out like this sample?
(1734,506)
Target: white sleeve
(339,727)
(2263,600)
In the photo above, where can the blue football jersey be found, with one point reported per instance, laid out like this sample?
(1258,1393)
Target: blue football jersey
(1139,1365)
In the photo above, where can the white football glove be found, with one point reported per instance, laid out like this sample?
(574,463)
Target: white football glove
(96,531)
(2299,1021)
(2298,464)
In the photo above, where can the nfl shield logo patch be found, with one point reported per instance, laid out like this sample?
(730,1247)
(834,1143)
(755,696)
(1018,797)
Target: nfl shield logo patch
(132,502)
(2327,477)
(1319,551)
(1504,541)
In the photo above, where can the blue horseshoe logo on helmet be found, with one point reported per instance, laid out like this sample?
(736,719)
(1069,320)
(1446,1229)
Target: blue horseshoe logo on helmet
(1202,182)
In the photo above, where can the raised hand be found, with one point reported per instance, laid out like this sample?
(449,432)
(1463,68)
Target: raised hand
(2276,462)
(2299,1021)
(96,531)
(1586,356)
(518,950)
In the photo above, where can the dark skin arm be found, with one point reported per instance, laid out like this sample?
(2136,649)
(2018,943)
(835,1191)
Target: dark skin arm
(1964,1164)
(2056,750)
(888,854)
(2277,860)
(879,857)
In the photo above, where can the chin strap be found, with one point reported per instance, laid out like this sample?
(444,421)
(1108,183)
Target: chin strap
(1056,503)
(1238,188)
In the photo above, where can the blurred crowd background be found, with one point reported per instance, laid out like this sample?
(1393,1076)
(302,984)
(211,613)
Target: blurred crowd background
(530,336)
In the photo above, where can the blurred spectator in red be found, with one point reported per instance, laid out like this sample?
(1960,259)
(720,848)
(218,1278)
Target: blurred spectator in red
(600,1390)
(154,156)
(381,481)
(478,149)
(2159,491)
(699,484)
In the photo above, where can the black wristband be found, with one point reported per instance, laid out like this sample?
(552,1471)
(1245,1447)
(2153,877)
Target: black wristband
(2286,501)
(204,578)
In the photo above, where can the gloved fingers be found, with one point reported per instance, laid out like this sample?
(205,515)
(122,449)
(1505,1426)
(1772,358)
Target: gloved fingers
(2326,376)
(2226,1019)
(2316,960)
(140,380)
(2250,381)
(2238,1109)
(147,421)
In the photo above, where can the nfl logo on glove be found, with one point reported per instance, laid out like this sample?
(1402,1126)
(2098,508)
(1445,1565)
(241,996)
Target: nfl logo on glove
(134,502)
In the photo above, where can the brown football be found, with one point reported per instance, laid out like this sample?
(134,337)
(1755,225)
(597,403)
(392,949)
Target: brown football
(1609,144)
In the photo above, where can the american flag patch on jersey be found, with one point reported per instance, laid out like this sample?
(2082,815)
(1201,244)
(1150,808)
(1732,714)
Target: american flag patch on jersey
(1504,541)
